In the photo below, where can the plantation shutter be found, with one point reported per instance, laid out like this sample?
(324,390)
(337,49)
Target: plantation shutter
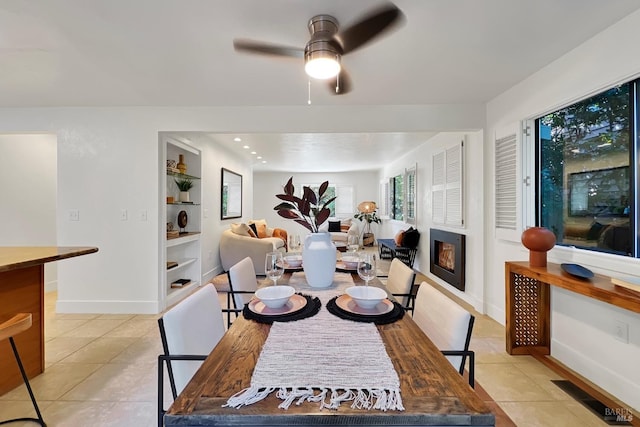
(453,209)
(447,186)
(507,197)
(383,207)
(345,206)
(438,188)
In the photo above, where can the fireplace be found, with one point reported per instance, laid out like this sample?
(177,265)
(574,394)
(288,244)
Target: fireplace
(447,256)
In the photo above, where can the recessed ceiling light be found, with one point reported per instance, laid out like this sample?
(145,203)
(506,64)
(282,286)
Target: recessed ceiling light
(236,139)
(253,152)
(246,147)
(259,157)
(264,161)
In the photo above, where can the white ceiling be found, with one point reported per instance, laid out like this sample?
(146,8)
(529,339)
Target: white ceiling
(180,53)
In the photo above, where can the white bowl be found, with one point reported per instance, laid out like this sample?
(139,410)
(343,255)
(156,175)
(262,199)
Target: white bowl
(275,296)
(350,261)
(366,297)
(293,260)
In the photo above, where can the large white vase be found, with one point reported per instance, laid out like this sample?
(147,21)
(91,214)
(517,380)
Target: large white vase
(319,259)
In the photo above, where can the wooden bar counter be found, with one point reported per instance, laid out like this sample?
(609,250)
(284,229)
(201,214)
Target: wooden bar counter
(22,291)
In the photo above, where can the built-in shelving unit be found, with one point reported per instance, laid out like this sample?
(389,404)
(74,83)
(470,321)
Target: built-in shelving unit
(180,255)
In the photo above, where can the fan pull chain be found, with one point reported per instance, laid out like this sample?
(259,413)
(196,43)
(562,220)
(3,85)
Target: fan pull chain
(309,92)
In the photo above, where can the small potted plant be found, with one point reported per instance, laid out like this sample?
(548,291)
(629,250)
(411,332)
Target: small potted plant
(184,185)
(367,213)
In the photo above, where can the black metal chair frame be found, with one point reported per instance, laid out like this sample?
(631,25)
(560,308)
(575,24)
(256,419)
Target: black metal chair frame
(464,353)
(411,297)
(237,310)
(167,358)
(38,420)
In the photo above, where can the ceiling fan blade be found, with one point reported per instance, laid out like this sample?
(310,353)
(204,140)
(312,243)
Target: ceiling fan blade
(341,84)
(252,46)
(369,27)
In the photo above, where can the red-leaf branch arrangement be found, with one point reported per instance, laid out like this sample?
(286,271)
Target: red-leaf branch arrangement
(310,211)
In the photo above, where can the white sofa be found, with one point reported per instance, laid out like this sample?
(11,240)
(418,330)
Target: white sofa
(341,236)
(235,247)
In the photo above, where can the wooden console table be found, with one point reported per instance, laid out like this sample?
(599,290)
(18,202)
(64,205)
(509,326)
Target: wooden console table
(528,320)
(22,291)
(528,298)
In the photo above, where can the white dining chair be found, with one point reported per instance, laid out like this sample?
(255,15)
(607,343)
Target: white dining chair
(400,282)
(242,283)
(448,326)
(189,331)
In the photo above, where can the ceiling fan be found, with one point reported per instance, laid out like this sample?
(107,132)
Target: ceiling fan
(323,52)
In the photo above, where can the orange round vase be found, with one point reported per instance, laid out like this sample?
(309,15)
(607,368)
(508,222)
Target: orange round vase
(539,241)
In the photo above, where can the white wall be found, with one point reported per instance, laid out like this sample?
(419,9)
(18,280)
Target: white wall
(28,176)
(214,158)
(108,160)
(267,184)
(582,328)
(473,209)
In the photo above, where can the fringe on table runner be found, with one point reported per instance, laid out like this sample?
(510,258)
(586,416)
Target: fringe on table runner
(380,399)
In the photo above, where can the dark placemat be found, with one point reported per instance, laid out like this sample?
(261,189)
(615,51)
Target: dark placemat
(379,319)
(311,308)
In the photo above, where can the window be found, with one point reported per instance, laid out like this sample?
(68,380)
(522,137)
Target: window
(586,190)
(331,192)
(400,192)
(343,205)
(396,197)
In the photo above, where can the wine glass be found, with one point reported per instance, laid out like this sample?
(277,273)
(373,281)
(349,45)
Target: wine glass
(294,242)
(367,266)
(353,243)
(274,266)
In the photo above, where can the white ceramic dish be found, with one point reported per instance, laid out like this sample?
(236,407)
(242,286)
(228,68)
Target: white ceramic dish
(293,261)
(350,261)
(295,303)
(367,297)
(346,303)
(275,296)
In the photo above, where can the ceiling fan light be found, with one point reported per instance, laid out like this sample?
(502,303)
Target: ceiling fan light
(322,67)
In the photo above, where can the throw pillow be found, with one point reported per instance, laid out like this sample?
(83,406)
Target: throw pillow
(242,229)
(262,230)
(334,226)
(254,229)
(345,225)
(399,237)
(281,233)
(411,238)
(258,222)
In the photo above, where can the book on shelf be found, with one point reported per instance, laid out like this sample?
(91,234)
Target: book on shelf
(171,264)
(180,283)
(628,282)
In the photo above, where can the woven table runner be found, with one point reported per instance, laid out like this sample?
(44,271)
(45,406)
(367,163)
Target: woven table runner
(324,359)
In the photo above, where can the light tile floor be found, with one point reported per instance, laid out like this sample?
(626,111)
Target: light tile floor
(101,371)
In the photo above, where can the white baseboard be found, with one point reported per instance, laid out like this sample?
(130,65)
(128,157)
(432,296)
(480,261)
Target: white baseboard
(51,286)
(611,381)
(496,313)
(207,276)
(108,307)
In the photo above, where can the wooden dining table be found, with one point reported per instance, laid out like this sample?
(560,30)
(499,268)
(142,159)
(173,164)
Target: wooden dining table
(433,392)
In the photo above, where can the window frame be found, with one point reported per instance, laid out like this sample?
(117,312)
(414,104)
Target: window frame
(634,166)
